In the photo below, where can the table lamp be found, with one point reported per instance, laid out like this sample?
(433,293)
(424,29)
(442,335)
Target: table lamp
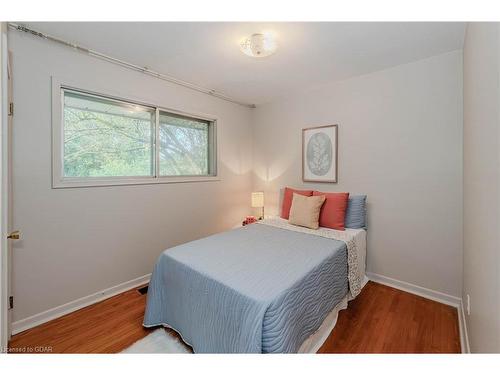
(258,201)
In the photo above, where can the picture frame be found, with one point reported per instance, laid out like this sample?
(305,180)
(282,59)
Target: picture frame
(320,154)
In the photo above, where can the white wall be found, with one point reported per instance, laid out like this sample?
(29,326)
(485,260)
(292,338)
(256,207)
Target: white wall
(482,185)
(82,240)
(400,142)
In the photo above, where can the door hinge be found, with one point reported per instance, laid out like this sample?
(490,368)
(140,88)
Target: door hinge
(11,109)
(11,302)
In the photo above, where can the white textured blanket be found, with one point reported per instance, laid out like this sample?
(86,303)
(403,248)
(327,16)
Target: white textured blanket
(355,240)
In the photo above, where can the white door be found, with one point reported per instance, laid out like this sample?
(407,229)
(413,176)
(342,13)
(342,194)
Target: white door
(5,207)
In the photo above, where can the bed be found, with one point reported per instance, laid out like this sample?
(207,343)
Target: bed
(269,287)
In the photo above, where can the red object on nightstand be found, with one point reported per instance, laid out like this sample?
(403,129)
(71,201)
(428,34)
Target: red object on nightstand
(249,220)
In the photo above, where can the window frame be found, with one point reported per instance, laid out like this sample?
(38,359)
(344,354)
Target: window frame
(60,181)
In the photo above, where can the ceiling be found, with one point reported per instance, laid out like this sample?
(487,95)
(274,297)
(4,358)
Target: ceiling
(308,54)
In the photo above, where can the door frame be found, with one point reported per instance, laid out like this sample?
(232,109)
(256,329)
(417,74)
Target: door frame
(5,329)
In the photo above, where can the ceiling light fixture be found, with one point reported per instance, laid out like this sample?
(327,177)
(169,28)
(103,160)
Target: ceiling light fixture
(259,45)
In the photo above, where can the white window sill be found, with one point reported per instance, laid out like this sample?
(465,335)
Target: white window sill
(95,182)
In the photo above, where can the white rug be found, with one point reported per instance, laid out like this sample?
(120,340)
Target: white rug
(158,341)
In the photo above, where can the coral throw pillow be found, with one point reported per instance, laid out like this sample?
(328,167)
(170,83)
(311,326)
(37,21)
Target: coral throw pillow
(333,212)
(287,200)
(305,210)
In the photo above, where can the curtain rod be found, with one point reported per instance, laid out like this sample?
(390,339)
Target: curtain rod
(128,65)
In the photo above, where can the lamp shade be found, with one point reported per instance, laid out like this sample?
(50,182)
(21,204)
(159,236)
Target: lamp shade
(258,199)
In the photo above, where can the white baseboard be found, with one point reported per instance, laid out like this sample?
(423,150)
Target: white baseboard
(462,325)
(432,295)
(415,289)
(56,312)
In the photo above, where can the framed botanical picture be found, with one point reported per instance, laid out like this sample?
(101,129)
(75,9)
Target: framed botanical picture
(319,154)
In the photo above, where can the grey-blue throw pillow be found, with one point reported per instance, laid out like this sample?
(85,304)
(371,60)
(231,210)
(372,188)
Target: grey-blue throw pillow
(355,215)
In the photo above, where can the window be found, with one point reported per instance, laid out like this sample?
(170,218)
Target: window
(107,141)
(184,145)
(107,138)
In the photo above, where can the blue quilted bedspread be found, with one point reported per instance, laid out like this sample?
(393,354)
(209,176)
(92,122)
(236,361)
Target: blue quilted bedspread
(256,289)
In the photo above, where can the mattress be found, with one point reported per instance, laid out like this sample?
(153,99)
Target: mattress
(256,289)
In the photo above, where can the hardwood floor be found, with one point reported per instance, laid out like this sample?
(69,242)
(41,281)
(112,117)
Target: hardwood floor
(380,320)
(387,320)
(106,327)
